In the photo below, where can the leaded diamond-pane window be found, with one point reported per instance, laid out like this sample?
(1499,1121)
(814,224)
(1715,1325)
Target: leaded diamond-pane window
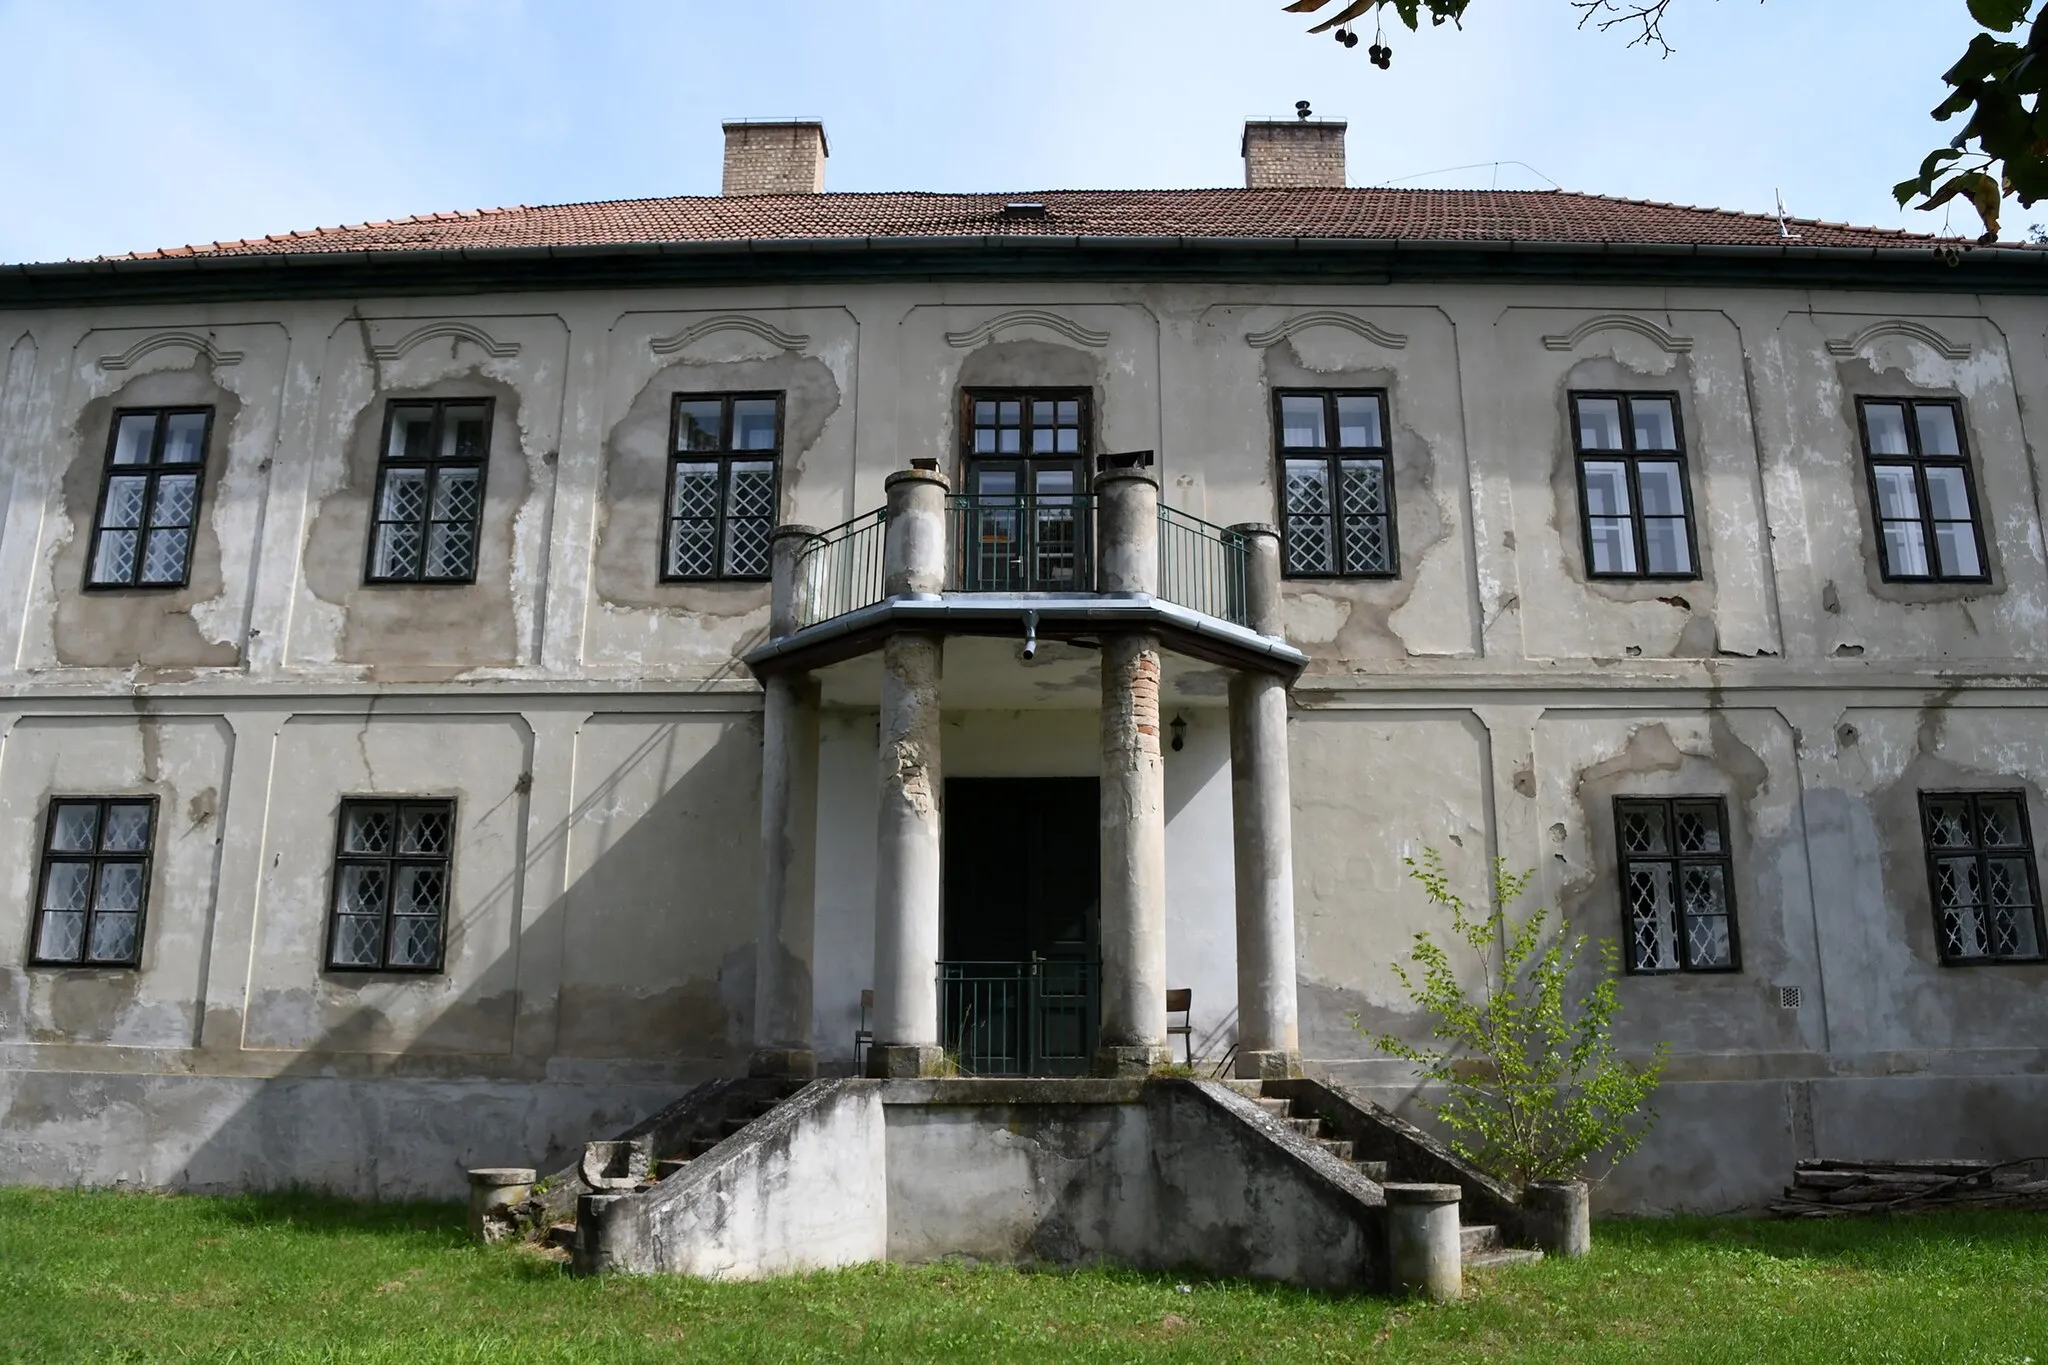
(723,486)
(94,884)
(392,864)
(429,505)
(1980,867)
(1677,883)
(1635,503)
(1336,485)
(1921,491)
(149,499)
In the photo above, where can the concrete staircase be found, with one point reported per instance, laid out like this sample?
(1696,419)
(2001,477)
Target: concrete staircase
(655,1150)
(1321,1117)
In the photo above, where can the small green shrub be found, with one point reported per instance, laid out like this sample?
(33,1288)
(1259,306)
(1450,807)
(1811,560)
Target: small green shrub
(1534,1088)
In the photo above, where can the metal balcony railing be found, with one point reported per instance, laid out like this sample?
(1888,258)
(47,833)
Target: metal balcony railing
(1202,566)
(1021,543)
(1033,1018)
(841,571)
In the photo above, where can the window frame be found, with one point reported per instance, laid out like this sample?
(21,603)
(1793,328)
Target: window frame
(1918,462)
(1977,851)
(1631,458)
(1725,860)
(1331,455)
(153,470)
(97,857)
(1038,529)
(433,463)
(724,455)
(391,861)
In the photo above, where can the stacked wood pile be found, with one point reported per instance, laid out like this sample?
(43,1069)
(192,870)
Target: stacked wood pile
(1835,1189)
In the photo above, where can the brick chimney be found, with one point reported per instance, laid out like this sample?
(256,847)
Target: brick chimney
(1294,151)
(775,156)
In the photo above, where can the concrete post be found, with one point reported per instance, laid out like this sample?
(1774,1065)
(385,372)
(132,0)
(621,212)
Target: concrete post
(493,1191)
(1425,1254)
(1126,532)
(783,919)
(786,583)
(1133,1035)
(907,886)
(1262,828)
(1557,1216)
(784,924)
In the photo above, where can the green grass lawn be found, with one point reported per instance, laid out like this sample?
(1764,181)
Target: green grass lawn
(93,1276)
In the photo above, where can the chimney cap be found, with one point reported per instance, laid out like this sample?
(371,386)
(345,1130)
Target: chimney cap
(792,122)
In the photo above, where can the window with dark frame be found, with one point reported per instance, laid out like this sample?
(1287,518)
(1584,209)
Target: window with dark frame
(393,862)
(430,491)
(1024,517)
(1921,490)
(1677,883)
(93,886)
(723,491)
(149,499)
(1980,868)
(1337,484)
(1635,501)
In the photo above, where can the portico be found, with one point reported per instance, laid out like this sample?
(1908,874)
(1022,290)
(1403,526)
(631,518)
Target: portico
(875,605)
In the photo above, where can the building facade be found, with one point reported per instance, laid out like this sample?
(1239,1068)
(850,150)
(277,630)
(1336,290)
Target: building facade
(393,777)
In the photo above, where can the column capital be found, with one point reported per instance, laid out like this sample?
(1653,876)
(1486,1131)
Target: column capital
(911,476)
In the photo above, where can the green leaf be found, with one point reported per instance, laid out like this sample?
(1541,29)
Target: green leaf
(2003,15)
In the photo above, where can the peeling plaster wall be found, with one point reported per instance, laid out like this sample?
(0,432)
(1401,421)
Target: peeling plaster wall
(599,734)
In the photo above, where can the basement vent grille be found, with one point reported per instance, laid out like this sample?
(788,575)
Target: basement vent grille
(1788,997)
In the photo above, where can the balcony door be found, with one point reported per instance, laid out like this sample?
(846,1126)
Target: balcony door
(1024,515)
(1018,989)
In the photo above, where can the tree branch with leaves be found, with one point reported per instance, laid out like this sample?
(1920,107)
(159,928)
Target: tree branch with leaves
(2000,152)
(1531,1082)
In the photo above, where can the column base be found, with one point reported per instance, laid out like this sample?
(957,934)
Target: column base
(1268,1066)
(907,1061)
(1130,1061)
(792,1063)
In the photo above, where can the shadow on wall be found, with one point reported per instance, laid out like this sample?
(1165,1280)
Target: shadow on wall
(626,988)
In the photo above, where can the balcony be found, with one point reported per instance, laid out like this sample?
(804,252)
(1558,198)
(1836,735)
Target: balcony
(1062,566)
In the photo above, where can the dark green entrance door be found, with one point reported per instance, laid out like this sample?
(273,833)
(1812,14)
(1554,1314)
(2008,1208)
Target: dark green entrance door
(1018,987)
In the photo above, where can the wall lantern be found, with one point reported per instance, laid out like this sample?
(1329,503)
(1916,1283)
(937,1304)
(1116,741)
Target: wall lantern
(1180,731)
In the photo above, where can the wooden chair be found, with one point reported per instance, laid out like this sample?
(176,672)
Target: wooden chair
(863,1036)
(1181,1002)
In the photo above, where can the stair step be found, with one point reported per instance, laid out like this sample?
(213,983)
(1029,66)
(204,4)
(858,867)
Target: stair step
(665,1168)
(733,1125)
(1336,1147)
(1477,1239)
(562,1237)
(698,1146)
(1308,1128)
(1375,1171)
(1279,1109)
(1494,1260)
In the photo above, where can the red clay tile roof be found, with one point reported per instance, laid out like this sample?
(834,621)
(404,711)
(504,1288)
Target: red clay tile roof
(1366,214)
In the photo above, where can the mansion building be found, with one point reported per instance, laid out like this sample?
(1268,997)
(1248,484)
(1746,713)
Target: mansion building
(468,678)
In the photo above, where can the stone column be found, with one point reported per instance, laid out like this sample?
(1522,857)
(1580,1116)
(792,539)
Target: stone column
(1425,1252)
(1133,1037)
(784,920)
(1262,828)
(907,886)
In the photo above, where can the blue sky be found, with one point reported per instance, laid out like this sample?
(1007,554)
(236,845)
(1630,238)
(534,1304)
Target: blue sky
(202,119)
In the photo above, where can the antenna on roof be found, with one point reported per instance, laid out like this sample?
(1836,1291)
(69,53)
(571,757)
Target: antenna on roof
(1301,110)
(1784,228)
